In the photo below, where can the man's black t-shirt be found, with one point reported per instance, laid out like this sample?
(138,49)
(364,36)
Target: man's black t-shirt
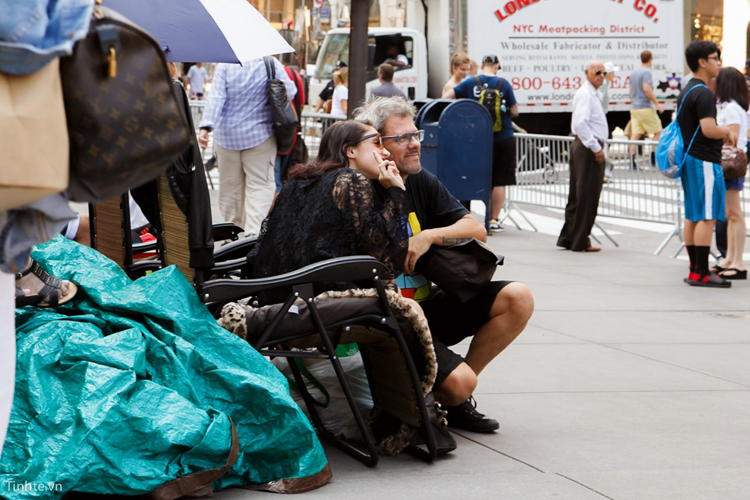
(428,200)
(701,103)
(428,204)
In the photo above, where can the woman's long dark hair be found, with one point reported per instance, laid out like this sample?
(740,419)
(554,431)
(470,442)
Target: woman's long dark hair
(730,84)
(332,152)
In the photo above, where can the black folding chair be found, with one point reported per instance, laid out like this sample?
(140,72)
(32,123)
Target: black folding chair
(388,344)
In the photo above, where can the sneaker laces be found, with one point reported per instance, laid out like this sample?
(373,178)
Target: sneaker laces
(471,407)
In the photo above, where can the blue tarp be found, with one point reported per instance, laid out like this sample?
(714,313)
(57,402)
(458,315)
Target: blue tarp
(132,384)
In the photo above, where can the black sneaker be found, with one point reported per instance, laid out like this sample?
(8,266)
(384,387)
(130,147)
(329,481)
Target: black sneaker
(465,416)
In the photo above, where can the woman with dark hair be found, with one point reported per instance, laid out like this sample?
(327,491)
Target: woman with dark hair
(326,209)
(733,96)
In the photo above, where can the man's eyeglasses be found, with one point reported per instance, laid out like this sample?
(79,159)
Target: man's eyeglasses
(715,58)
(379,141)
(404,139)
(600,72)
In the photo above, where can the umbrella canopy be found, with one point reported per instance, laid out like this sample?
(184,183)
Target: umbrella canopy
(205,30)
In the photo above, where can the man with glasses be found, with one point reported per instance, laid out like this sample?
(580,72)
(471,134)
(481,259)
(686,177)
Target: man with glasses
(643,118)
(494,318)
(587,161)
(504,144)
(702,177)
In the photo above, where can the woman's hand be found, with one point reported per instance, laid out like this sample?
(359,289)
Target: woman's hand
(388,173)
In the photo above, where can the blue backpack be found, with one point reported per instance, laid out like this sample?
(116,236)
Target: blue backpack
(671,153)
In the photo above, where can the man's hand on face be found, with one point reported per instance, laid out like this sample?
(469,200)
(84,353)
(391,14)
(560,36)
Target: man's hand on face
(418,246)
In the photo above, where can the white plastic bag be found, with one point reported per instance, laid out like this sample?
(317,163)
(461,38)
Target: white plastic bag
(331,403)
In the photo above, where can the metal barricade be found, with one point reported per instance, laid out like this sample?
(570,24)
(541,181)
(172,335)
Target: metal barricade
(633,190)
(313,125)
(196,109)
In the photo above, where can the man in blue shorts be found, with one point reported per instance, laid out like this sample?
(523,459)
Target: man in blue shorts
(494,318)
(702,177)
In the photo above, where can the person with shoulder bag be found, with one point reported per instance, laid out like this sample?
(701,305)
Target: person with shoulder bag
(240,114)
(734,98)
(701,173)
(492,316)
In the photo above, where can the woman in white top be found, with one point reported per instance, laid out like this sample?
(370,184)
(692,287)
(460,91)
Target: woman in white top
(733,96)
(340,99)
(460,67)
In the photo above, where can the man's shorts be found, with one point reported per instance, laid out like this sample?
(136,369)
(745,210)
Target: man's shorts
(644,121)
(452,321)
(703,183)
(504,162)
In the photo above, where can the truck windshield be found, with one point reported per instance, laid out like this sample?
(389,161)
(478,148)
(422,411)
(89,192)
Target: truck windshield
(335,48)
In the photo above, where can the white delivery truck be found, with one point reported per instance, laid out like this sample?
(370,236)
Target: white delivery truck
(411,79)
(543,46)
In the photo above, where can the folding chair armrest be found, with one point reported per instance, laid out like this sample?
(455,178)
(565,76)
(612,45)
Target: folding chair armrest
(226,231)
(228,265)
(234,250)
(349,268)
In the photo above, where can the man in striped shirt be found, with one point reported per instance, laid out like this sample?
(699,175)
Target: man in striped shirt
(240,116)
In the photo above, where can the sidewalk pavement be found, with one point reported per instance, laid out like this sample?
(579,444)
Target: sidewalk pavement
(626,384)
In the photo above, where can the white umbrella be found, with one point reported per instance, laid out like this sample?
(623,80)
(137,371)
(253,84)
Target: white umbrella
(205,30)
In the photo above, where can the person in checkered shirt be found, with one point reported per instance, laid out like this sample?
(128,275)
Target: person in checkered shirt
(240,116)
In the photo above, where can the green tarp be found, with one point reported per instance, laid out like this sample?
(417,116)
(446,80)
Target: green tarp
(132,384)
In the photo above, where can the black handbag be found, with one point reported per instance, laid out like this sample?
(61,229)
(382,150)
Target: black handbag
(460,270)
(444,440)
(123,118)
(285,121)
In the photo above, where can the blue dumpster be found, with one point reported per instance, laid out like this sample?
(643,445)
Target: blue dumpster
(457,147)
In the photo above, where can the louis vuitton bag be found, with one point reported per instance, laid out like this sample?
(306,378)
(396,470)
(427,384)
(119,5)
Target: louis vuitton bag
(123,118)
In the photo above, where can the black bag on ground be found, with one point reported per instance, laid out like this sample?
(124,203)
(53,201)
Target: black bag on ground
(123,117)
(460,270)
(285,121)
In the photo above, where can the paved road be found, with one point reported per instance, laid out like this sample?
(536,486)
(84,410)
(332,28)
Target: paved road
(627,384)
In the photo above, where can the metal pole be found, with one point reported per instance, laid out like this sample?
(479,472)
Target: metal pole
(358,53)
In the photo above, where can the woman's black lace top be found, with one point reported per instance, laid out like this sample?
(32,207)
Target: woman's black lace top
(330,215)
